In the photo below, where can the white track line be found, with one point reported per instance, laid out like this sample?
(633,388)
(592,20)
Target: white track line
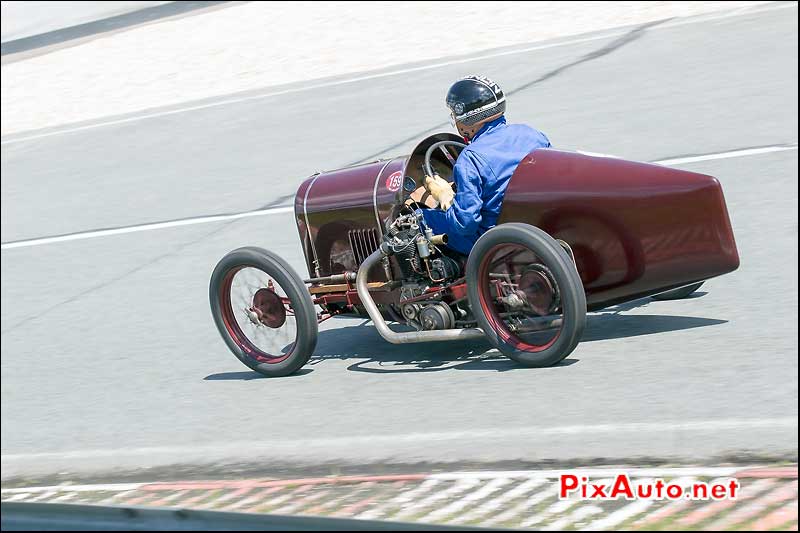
(146,227)
(281,496)
(118,487)
(457,488)
(624,513)
(44,496)
(495,504)
(17,497)
(258,498)
(574,519)
(231,494)
(289,209)
(671,507)
(713,508)
(64,497)
(332,504)
(301,502)
(559,507)
(308,88)
(620,515)
(116,498)
(532,480)
(164,502)
(229,101)
(348,442)
(746,512)
(726,155)
(550,491)
(406,497)
(469,499)
(594,472)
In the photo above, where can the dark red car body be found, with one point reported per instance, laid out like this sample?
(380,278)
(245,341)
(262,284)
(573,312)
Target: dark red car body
(635,229)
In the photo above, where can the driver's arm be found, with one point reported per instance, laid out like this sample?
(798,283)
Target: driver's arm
(422,197)
(465,213)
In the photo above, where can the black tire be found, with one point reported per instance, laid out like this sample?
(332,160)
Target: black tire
(557,261)
(305,317)
(679,293)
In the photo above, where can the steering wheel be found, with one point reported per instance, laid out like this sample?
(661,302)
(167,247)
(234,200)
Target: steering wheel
(422,195)
(441,146)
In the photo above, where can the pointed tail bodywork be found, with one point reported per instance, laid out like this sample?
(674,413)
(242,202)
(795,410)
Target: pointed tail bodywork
(635,229)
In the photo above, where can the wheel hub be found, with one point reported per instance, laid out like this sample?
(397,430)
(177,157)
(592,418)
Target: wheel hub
(267,309)
(538,290)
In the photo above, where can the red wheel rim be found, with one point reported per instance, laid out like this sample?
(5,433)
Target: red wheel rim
(267,307)
(505,276)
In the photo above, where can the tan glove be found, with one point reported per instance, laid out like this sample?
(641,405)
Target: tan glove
(441,190)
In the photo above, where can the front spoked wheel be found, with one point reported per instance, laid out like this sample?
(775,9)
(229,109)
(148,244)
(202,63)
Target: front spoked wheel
(263,311)
(526,294)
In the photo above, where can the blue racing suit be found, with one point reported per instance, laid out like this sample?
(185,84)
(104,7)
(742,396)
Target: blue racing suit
(481,173)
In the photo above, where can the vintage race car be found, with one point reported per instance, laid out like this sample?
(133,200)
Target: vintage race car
(576,232)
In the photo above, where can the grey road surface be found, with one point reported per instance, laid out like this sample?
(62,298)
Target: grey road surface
(25,19)
(110,359)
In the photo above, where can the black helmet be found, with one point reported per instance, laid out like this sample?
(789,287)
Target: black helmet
(475,98)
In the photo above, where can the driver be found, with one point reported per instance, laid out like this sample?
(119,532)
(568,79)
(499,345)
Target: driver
(484,168)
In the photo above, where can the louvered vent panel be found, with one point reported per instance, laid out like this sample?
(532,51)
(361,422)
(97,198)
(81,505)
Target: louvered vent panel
(363,242)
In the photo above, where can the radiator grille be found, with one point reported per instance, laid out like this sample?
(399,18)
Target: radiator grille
(363,242)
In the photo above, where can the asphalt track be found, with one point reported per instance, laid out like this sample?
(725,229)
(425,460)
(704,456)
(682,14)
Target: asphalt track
(110,359)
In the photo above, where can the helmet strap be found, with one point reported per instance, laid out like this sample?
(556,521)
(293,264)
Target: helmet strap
(468,132)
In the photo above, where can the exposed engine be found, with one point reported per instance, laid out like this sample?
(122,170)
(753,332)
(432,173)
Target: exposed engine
(423,264)
(417,250)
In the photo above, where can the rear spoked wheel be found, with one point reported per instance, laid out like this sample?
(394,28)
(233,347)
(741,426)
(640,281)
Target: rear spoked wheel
(526,294)
(263,311)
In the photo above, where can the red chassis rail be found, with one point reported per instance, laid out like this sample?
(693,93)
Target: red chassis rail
(451,293)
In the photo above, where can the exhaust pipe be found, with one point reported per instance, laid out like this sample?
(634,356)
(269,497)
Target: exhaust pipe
(336,278)
(381,325)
